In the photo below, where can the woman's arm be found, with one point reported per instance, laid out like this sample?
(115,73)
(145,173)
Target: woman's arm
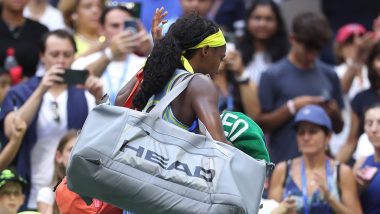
(348,148)
(18,128)
(203,98)
(349,197)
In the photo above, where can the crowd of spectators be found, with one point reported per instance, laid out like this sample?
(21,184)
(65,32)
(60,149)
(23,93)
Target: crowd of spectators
(272,73)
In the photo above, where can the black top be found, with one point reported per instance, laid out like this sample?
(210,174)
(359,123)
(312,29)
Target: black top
(25,40)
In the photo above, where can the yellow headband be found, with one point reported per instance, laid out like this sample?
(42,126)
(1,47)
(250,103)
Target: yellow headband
(214,40)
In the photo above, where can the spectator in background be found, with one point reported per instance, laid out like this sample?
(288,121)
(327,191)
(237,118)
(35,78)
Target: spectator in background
(148,8)
(10,149)
(353,13)
(46,198)
(202,7)
(12,187)
(42,12)
(228,14)
(314,183)
(295,81)
(352,45)
(82,16)
(117,64)
(49,107)
(367,168)
(264,40)
(21,34)
(361,102)
(236,91)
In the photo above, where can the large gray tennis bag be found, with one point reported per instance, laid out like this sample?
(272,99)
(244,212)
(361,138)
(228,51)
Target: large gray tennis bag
(141,163)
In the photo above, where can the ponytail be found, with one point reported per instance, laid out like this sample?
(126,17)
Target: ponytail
(165,58)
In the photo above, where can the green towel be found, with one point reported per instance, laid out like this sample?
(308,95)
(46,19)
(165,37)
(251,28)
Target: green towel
(245,134)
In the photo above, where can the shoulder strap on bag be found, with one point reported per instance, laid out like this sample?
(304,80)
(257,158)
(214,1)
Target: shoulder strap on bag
(287,169)
(159,109)
(139,79)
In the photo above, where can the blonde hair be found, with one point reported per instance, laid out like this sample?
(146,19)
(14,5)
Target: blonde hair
(68,8)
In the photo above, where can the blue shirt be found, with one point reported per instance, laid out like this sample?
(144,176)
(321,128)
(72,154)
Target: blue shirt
(284,81)
(370,198)
(77,111)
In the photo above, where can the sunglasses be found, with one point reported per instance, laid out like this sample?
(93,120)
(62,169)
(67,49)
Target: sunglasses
(55,110)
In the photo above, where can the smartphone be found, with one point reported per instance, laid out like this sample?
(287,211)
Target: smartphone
(75,77)
(368,173)
(130,25)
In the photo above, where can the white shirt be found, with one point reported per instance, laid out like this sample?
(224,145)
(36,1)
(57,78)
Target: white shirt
(117,73)
(49,133)
(364,147)
(257,66)
(46,195)
(339,139)
(356,85)
(52,18)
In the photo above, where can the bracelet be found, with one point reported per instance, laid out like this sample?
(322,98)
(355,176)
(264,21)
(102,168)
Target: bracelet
(243,78)
(291,107)
(108,54)
(353,64)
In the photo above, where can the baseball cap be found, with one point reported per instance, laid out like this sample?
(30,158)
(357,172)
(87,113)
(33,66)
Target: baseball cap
(9,175)
(349,30)
(245,135)
(313,114)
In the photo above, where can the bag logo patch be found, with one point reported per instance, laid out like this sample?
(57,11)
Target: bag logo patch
(167,164)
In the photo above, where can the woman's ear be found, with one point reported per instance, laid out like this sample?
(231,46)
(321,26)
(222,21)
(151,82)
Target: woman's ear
(59,157)
(205,50)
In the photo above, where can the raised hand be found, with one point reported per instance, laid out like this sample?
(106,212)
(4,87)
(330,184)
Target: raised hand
(158,22)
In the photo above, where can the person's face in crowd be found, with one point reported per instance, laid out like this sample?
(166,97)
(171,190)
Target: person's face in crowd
(303,55)
(372,126)
(262,22)
(5,85)
(347,49)
(114,22)
(87,14)
(11,198)
(63,157)
(58,51)
(311,138)
(15,5)
(200,6)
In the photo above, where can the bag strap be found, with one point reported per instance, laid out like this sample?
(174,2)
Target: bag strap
(159,109)
(139,79)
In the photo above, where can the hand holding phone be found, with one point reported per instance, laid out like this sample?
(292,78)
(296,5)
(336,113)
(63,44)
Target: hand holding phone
(367,173)
(131,25)
(75,77)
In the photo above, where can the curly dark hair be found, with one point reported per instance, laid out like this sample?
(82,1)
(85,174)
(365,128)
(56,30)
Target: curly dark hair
(277,45)
(165,57)
(373,75)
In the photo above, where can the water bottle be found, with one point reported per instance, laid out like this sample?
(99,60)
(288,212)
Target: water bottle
(10,60)
(12,66)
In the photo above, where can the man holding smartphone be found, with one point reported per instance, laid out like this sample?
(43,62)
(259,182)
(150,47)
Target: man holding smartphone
(49,107)
(118,63)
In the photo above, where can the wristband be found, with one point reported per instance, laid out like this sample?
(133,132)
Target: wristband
(243,78)
(291,107)
(108,54)
(353,64)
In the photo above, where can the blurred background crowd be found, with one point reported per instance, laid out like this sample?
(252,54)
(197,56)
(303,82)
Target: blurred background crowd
(282,56)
